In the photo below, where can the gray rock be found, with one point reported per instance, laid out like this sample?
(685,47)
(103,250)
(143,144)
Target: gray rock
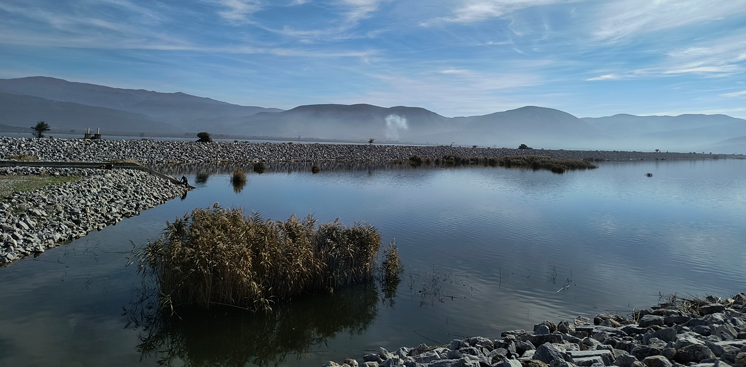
(548,352)
(625,360)
(741,359)
(650,320)
(643,351)
(604,356)
(711,308)
(541,329)
(693,353)
(657,361)
(427,357)
(667,335)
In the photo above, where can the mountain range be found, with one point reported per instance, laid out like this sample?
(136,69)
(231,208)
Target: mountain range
(67,106)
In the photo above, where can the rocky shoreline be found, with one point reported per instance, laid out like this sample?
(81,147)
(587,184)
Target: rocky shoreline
(149,151)
(701,333)
(32,222)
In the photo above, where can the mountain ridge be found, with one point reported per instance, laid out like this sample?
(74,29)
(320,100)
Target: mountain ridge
(79,105)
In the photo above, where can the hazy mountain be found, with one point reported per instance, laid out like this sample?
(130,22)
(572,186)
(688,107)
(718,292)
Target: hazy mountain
(70,105)
(624,125)
(358,122)
(729,146)
(181,110)
(26,111)
(673,133)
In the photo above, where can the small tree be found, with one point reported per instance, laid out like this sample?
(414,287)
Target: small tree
(371,141)
(204,137)
(524,146)
(40,128)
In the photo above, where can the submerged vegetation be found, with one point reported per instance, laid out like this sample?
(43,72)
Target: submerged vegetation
(222,257)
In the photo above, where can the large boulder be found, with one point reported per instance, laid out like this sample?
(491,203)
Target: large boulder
(548,352)
(657,361)
(693,353)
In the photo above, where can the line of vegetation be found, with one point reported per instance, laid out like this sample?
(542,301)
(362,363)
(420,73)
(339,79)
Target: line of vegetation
(556,165)
(27,183)
(222,257)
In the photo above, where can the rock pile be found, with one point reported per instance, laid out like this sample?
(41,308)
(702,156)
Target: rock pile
(147,151)
(32,222)
(707,333)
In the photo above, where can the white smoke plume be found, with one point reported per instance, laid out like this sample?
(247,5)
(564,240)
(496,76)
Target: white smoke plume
(394,123)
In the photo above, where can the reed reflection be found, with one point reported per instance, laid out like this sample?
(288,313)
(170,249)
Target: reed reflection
(225,336)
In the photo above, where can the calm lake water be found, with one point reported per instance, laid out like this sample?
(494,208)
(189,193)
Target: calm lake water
(485,250)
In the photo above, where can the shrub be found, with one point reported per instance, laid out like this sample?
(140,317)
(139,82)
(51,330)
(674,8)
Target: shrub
(415,161)
(220,257)
(524,146)
(315,169)
(260,167)
(238,180)
(204,137)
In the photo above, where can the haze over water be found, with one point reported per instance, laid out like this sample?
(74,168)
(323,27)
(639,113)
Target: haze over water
(485,250)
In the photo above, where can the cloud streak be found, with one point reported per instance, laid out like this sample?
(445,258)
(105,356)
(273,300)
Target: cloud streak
(620,20)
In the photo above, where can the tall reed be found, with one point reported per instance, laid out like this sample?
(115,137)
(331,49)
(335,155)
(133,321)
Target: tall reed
(222,257)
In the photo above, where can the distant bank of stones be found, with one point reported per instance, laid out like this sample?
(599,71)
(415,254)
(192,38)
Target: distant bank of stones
(32,222)
(712,334)
(147,151)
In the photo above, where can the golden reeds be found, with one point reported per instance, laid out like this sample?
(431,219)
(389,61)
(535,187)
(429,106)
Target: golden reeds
(222,257)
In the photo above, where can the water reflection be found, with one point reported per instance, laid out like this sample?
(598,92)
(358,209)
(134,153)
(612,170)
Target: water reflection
(226,336)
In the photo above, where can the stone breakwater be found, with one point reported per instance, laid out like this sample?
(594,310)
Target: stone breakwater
(66,150)
(32,222)
(710,334)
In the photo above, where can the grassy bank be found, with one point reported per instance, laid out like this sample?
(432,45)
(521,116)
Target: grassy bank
(222,257)
(26,183)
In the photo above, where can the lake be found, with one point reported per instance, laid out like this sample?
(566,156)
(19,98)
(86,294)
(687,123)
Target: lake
(484,249)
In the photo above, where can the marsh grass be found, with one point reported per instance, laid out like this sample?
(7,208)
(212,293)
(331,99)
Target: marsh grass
(238,180)
(536,162)
(23,157)
(222,257)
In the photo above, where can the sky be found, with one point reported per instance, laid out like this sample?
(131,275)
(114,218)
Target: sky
(454,57)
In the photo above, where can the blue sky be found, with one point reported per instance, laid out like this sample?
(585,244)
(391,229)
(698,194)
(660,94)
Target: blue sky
(454,57)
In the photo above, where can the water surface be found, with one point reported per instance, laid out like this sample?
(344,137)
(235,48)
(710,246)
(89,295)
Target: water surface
(485,250)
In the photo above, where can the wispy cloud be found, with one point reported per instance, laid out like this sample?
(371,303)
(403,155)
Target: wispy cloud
(478,10)
(622,19)
(237,10)
(606,77)
(735,94)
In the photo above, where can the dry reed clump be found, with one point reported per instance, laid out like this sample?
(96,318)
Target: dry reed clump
(391,267)
(221,257)
(239,177)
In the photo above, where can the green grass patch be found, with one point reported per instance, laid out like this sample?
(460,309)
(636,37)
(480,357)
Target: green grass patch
(18,183)
(23,157)
(218,256)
